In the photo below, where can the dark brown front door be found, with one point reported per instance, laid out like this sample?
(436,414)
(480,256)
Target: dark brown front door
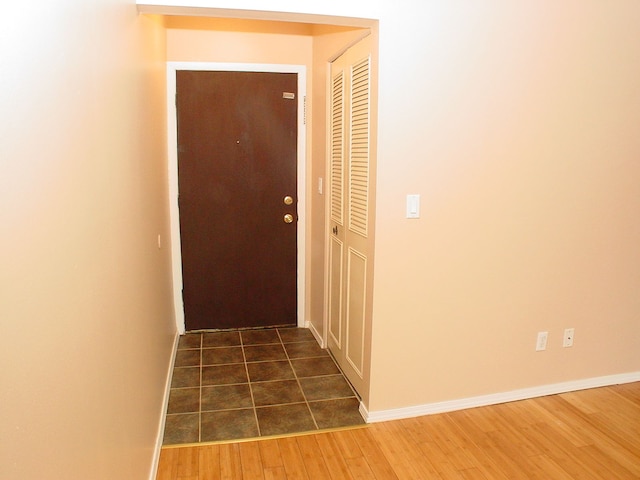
(237,156)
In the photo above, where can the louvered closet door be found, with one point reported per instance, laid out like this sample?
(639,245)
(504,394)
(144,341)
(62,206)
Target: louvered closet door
(350,199)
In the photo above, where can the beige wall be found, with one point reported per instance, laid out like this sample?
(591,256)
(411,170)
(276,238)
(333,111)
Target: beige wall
(201,39)
(517,123)
(86,327)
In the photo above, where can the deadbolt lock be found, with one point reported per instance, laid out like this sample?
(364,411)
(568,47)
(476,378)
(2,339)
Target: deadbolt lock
(288,218)
(288,200)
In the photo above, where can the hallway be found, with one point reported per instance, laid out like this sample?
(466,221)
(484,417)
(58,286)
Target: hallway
(242,384)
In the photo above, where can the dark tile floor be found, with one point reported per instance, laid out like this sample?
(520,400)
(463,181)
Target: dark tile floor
(252,383)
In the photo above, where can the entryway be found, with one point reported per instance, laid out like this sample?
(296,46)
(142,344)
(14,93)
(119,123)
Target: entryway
(254,383)
(350,307)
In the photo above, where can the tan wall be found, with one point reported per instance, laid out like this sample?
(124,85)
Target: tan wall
(86,328)
(518,125)
(201,39)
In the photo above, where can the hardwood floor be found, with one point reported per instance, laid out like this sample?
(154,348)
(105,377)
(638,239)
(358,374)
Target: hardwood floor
(591,434)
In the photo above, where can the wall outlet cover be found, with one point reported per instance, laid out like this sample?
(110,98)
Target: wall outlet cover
(567,340)
(541,343)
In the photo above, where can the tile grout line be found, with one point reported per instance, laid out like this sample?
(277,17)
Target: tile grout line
(244,344)
(253,401)
(295,374)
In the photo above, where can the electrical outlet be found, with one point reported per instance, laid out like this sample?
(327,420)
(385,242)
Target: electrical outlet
(541,344)
(567,341)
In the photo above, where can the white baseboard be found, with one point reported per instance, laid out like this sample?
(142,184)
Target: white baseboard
(163,415)
(316,334)
(496,398)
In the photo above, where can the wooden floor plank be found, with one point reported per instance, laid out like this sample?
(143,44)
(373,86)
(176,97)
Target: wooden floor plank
(332,456)
(209,457)
(550,468)
(450,440)
(404,454)
(437,461)
(607,466)
(168,464)
(630,391)
(380,466)
(481,448)
(251,461)
(590,434)
(270,455)
(446,471)
(580,401)
(188,463)
(552,412)
(314,464)
(230,462)
(292,459)
(473,474)
(618,428)
(614,433)
(417,429)
(346,444)
(275,473)
(359,468)
(557,447)
(525,411)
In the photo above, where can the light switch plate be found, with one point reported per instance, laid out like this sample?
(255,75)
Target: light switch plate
(413,206)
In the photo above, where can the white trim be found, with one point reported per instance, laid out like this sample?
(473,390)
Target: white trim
(329,12)
(496,398)
(163,415)
(172,141)
(364,412)
(317,335)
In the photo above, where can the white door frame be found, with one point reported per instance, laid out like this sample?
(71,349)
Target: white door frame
(172,145)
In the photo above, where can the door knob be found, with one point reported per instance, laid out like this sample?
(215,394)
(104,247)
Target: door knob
(288,200)
(288,218)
